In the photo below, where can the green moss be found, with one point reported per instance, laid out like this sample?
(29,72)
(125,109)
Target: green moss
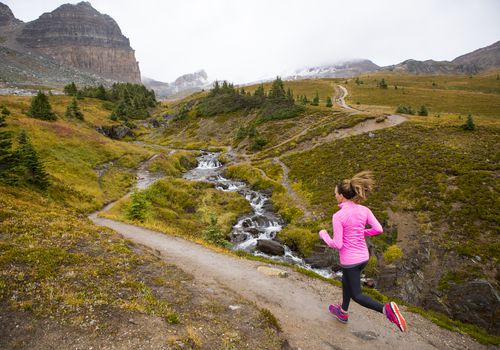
(301,240)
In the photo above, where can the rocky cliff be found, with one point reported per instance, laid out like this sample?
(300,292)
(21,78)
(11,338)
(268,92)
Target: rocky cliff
(81,37)
(7,17)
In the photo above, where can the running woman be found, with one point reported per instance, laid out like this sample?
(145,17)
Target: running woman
(349,231)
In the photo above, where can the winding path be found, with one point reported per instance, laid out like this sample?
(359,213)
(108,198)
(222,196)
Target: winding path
(341,99)
(299,302)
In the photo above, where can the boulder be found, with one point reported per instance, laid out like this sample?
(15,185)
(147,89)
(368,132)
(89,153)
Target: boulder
(116,132)
(270,247)
(475,302)
(323,257)
(272,271)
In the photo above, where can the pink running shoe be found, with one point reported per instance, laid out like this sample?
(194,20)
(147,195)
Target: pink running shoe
(394,315)
(340,314)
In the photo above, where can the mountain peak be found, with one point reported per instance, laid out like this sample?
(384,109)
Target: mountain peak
(6,16)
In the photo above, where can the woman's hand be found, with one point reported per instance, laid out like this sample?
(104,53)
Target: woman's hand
(323,233)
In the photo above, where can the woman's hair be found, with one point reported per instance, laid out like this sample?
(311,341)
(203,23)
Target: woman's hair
(357,188)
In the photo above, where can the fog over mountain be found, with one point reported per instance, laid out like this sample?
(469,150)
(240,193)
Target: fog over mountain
(250,40)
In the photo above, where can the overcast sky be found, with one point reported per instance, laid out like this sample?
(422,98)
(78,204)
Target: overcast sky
(246,40)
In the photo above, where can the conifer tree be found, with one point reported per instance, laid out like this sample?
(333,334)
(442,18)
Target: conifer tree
(259,92)
(277,92)
(101,92)
(6,157)
(216,89)
(382,84)
(40,108)
(73,111)
(329,102)
(70,89)
(31,167)
(315,101)
(289,95)
(469,124)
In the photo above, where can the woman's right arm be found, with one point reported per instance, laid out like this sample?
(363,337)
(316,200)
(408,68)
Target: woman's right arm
(338,233)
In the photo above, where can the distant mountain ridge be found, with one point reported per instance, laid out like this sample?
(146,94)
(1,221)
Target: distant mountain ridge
(471,63)
(183,85)
(345,69)
(77,36)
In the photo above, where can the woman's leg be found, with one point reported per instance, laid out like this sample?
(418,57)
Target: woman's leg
(346,292)
(352,276)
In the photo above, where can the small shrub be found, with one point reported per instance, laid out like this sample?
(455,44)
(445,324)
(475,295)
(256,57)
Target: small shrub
(214,234)
(137,207)
(371,269)
(392,253)
(405,109)
(270,319)
(423,111)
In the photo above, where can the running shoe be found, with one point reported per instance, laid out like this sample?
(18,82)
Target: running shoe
(394,315)
(340,314)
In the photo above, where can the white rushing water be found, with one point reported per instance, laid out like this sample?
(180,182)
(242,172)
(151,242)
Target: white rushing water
(262,224)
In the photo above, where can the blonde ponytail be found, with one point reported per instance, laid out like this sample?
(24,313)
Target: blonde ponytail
(358,187)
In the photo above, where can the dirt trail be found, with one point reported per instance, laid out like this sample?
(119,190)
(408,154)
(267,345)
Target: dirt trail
(297,199)
(341,99)
(299,302)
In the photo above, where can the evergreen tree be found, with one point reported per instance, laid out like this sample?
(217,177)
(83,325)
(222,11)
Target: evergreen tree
(7,160)
(469,124)
(423,111)
(73,111)
(277,92)
(101,92)
(216,89)
(40,108)
(119,112)
(5,112)
(382,84)
(31,167)
(70,89)
(289,95)
(259,92)
(315,101)
(329,102)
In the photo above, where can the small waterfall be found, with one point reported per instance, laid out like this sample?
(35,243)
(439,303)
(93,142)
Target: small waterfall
(262,224)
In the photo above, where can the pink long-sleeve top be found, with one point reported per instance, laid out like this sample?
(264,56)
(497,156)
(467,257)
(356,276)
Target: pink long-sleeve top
(349,231)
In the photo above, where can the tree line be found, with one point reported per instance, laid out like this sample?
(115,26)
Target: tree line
(129,101)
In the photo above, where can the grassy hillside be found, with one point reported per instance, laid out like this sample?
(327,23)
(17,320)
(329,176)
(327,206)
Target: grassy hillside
(62,275)
(86,168)
(476,94)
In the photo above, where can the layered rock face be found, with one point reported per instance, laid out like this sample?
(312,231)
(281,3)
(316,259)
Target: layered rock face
(6,16)
(81,37)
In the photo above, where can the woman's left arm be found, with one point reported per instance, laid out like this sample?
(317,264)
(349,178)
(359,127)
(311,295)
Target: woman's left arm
(375,228)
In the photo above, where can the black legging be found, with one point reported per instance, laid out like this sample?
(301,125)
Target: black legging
(351,289)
